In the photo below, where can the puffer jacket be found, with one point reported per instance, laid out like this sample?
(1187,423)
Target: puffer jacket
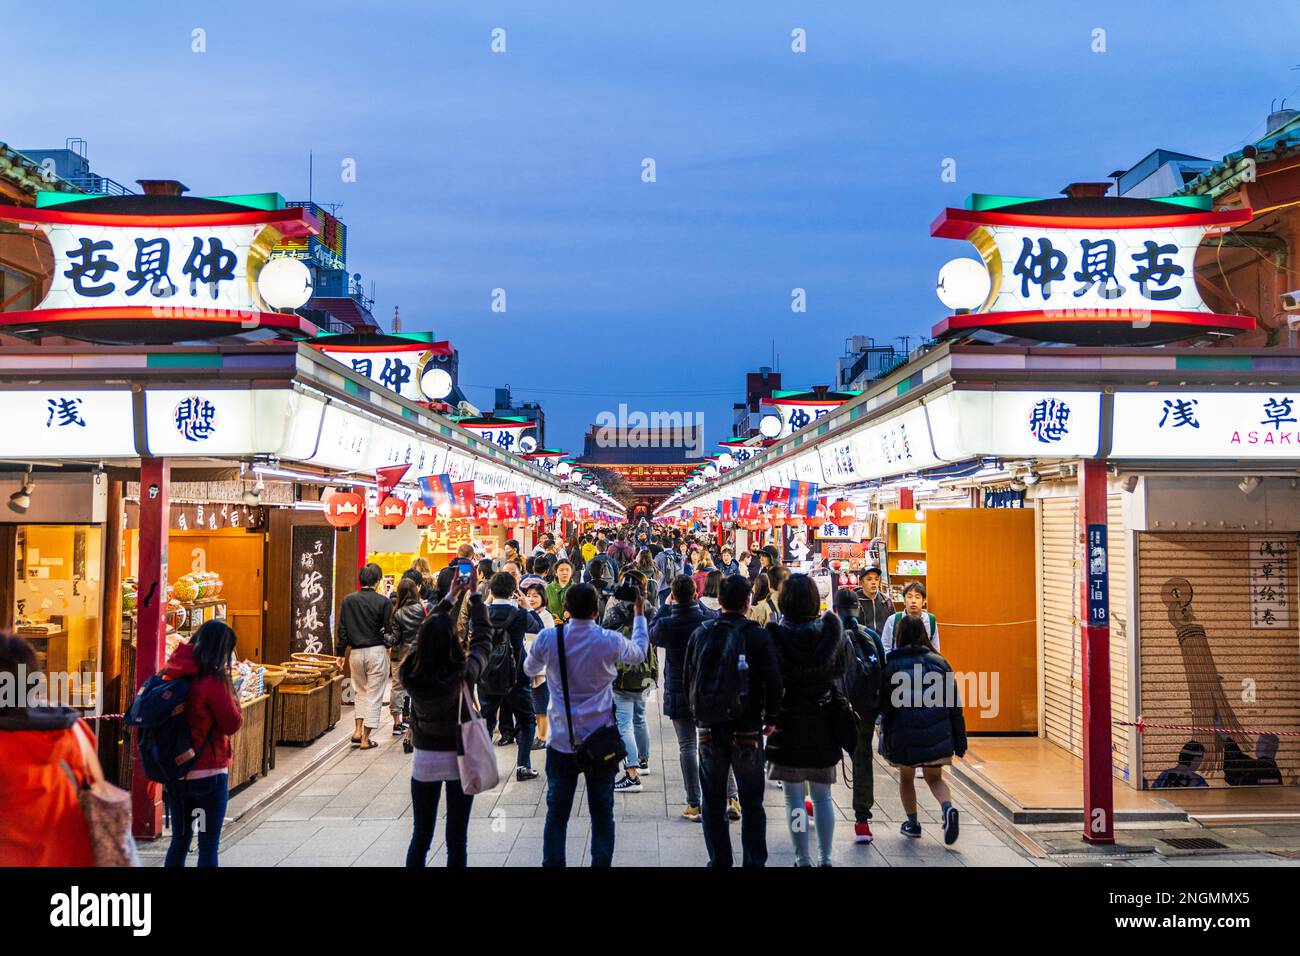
(435,699)
(672,630)
(912,733)
(812,656)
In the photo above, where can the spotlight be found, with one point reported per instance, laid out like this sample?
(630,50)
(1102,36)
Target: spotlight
(1031,478)
(21,499)
(1017,484)
(1248,484)
(253,495)
(1130,483)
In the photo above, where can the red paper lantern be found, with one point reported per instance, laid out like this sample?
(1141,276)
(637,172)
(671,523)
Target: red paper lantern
(343,509)
(391,512)
(422,515)
(779,519)
(843,513)
(795,521)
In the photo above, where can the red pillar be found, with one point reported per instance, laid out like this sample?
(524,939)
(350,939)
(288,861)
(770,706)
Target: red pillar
(151,614)
(1094,616)
(906,501)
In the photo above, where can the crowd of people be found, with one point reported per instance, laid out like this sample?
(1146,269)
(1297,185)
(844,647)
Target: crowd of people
(764,676)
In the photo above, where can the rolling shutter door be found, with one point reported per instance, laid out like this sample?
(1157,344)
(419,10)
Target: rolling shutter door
(1217,663)
(1062,668)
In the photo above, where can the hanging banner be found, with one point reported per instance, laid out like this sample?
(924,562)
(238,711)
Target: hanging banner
(435,490)
(388,478)
(462,501)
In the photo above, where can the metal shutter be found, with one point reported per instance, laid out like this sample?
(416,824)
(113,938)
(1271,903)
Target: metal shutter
(1062,670)
(1184,682)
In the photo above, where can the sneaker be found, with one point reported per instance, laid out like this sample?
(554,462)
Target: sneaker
(526,773)
(643,764)
(733,810)
(539,744)
(691,812)
(505,741)
(950,826)
(399,729)
(910,829)
(862,833)
(626,784)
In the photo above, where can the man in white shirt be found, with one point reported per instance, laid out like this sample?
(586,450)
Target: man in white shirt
(592,655)
(914,605)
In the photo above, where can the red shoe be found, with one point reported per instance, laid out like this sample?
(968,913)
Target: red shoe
(808,808)
(862,833)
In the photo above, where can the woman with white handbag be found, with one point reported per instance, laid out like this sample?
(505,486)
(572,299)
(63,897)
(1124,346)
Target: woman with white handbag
(452,744)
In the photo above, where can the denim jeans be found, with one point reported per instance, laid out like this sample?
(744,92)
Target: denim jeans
(197,806)
(690,756)
(797,819)
(864,785)
(424,808)
(740,755)
(518,702)
(561,785)
(629,710)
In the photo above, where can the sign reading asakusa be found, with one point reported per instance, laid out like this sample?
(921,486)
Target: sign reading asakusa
(1207,425)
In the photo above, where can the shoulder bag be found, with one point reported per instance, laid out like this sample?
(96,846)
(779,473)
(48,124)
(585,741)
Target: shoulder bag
(600,751)
(106,808)
(476,759)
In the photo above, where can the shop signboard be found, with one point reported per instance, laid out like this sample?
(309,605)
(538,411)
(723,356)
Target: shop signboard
(1200,425)
(1038,424)
(208,422)
(67,423)
(1104,270)
(1271,570)
(144,277)
(312,601)
(394,365)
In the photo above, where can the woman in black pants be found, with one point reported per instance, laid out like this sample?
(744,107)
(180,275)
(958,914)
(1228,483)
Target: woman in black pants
(434,674)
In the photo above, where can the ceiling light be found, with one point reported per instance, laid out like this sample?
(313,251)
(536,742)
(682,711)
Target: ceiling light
(253,496)
(1017,484)
(21,499)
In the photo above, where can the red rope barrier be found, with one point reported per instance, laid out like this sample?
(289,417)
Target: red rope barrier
(1142,726)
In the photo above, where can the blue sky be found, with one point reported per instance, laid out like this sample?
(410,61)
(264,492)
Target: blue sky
(522,170)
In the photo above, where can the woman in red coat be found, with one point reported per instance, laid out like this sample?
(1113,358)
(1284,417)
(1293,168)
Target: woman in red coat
(198,802)
(40,819)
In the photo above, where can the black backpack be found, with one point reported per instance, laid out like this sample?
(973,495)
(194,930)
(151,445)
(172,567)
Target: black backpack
(715,682)
(864,672)
(498,677)
(163,733)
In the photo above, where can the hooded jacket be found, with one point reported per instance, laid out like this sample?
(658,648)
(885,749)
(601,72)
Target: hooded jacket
(913,733)
(436,699)
(812,656)
(210,707)
(42,824)
(672,631)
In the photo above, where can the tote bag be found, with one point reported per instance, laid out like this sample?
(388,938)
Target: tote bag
(106,809)
(476,758)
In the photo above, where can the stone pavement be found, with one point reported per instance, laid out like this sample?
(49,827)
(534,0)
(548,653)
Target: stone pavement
(355,810)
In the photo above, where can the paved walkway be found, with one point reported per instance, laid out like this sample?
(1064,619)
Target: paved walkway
(356,811)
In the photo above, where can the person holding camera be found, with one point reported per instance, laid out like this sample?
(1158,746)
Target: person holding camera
(580,660)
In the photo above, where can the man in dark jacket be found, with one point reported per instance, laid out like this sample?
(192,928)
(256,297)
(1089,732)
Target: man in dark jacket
(672,631)
(728,564)
(509,624)
(864,791)
(874,606)
(601,556)
(734,746)
(364,624)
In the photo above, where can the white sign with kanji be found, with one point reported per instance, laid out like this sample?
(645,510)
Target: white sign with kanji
(1257,424)
(1271,569)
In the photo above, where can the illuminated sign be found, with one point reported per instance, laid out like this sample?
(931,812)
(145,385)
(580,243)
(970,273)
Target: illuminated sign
(71,423)
(1206,425)
(1102,270)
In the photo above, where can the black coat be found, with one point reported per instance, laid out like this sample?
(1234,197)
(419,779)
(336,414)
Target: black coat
(763,703)
(364,619)
(812,657)
(672,631)
(436,698)
(516,623)
(914,733)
